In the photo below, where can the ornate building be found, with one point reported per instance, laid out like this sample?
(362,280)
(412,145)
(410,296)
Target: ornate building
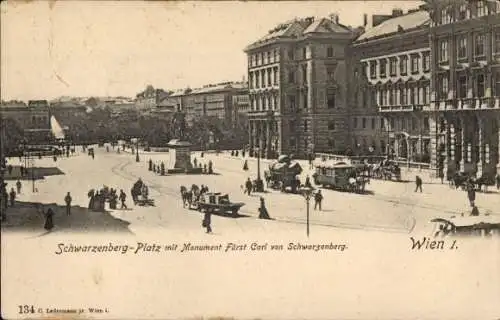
(465,86)
(297,88)
(390,87)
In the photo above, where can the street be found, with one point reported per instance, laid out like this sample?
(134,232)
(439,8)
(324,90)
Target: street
(390,207)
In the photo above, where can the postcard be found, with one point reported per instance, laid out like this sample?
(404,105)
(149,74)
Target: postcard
(250,160)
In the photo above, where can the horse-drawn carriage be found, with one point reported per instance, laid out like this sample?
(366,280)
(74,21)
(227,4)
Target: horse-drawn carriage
(387,170)
(140,194)
(463,180)
(339,175)
(486,225)
(282,175)
(202,200)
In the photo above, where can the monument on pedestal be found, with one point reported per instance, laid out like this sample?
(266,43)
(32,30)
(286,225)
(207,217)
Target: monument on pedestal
(179,148)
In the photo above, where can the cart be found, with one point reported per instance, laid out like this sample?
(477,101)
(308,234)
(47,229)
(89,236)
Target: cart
(214,202)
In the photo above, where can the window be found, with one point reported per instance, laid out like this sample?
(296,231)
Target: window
(481,9)
(413,123)
(382,123)
(304,100)
(479,42)
(373,123)
(427,94)
(329,52)
(331,125)
(382,145)
(265,58)
(427,62)
(383,67)
(263,78)
(497,83)
(443,84)
(496,44)
(305,125)
(290,54)
(393,124)
(355,123)
(331,98)
(291,102)
(250,80)
(404,96)
(364,123)
(393,66)
(275,70)
(330,73)
(443,50)
(403,65)
(331,143)
(414,64)
(257,79)
(373,69)
(480,85)
(292,126)
(270,103)
(275,55)
(462,86)
(403,124)
(446,15)
(304,53)
(392,96)
(269,81)
(304,74)
(275,98)
(463,12)
(462,46)
(416,96)
(291,77)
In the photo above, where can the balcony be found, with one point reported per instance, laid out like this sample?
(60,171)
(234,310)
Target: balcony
(468,104)
(401,108)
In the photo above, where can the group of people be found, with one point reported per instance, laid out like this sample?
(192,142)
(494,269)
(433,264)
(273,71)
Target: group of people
(158,168)
(207,169)
(98,198)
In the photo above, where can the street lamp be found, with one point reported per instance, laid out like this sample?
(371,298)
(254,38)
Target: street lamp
(307,193)
(259,184)
(136,149)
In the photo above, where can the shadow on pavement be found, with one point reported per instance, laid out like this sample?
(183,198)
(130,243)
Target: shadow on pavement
(29,216)
(39,173)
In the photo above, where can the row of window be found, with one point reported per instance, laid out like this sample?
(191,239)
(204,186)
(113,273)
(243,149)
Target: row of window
(364,123)
(462,43)
(273,56)
(263,78)
(403,124)
(467,10)
(476,83)
(262,103)
(417,94)
(389,67)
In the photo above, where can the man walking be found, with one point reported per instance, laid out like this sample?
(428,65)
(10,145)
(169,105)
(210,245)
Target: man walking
(12,197)
(418,184)
(123,197)
(471,193)
(318,197)
(68,200)
(18,186)
(207,221)
(248,186)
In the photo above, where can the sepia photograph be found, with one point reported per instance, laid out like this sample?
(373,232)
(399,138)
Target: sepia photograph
(250,159)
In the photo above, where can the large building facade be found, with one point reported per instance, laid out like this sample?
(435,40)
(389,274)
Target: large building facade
(465,86)
(390,88)
(297,88)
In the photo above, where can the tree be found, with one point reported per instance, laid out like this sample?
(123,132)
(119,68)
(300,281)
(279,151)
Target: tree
(13,136)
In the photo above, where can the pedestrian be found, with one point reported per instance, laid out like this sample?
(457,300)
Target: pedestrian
(123,197)
(210,167)
(68,200)
(418,184)
(150,165)
(22,171)
(248,186)
(318,198)
(162,168)
(10,168)
(18,185)
(441,175)
(12,197)
(471,193)
(195,162)
(498,181)
(205,168)
(49,220)
(245,165)
(263,214)
(207,222)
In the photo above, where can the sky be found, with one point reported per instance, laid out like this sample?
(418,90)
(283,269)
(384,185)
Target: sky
(95,48)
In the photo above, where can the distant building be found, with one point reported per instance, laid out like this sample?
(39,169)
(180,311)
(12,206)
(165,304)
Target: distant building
(297,87)
(241,107)
(390,87)
(150,97)
(33,118)
(214,100)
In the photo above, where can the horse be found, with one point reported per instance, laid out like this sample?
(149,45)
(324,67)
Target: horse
(187,196)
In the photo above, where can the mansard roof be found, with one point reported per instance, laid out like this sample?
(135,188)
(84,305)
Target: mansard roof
(402,23)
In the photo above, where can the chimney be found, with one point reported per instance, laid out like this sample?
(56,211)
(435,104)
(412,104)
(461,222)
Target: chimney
(365,20)
(396,12)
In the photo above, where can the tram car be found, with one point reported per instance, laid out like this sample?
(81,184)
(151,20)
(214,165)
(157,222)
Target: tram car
(338,175)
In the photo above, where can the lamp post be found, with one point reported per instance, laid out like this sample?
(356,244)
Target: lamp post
(136,148)
(307,193)
(259,185)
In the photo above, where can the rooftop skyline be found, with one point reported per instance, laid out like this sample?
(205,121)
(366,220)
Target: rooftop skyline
(89,48)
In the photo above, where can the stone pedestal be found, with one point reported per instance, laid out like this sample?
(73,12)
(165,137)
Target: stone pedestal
(180,155)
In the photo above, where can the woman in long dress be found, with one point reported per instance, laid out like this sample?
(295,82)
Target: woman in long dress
(49,220)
